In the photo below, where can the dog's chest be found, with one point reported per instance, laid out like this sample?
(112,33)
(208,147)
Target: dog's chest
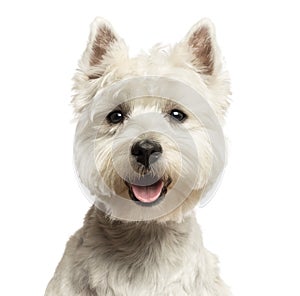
(151,280)
(154,262)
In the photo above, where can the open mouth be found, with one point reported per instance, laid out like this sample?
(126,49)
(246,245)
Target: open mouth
(148,195)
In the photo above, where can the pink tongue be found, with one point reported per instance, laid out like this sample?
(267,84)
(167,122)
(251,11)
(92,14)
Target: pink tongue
(148,193)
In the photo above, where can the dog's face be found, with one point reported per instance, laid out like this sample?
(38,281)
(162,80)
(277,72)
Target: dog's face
(142,144)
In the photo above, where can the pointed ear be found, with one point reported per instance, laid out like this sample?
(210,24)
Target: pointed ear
(105,50)
(201,42)
(200,52)
(101,40)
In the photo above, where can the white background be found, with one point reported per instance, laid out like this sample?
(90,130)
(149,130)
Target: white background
(252,223)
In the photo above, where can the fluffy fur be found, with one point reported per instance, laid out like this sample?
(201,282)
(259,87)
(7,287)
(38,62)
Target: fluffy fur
(163,254)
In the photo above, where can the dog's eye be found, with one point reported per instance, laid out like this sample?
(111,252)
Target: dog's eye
(178,115)
(115,117)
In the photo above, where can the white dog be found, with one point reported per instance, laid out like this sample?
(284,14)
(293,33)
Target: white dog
(148,148)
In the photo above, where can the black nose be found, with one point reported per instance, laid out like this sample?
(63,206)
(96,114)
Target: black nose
(146,152)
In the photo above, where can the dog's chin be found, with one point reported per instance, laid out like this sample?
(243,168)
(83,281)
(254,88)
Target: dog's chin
(148,195)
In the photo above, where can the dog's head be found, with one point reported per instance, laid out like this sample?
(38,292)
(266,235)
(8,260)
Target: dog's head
(148,143)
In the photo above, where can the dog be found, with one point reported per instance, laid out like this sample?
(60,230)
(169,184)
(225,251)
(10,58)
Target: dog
(148,148)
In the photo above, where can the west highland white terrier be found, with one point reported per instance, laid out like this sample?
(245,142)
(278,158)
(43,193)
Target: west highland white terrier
(148,148)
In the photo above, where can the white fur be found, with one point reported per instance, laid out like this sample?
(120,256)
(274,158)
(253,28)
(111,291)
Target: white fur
(172,259)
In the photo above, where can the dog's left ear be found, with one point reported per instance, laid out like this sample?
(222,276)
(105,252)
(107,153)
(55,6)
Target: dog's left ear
(200,50)
(201,42)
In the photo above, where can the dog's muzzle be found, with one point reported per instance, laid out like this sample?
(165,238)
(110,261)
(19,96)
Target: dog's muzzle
(147,189)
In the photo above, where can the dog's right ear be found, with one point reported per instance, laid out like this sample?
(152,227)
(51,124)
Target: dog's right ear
(101,40)
(104,48)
